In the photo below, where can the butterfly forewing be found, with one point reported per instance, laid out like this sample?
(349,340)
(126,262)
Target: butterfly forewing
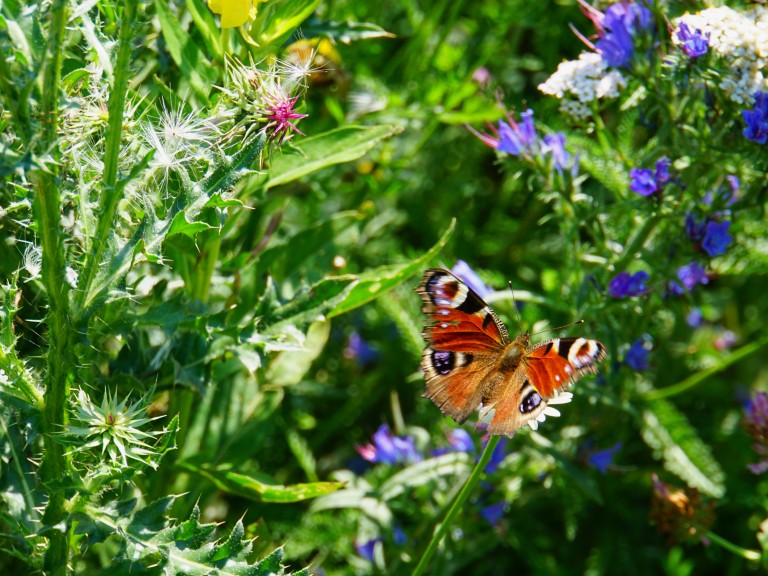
(465,337)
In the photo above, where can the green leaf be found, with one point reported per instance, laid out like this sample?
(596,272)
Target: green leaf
(185,52)
(334,147)
(251,488)
(312,304)
(374,283)
(345,32)
(668,432)
(278,19)
(288,368)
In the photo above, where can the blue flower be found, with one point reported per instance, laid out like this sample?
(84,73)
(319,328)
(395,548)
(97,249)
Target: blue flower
(637,355)
(662,171)
(494,513)
(626,285)
(694,318)
(694,44)
(389,449)
(620,23)
(694,228)
(471,279)
(555,144)
(517,139)
(757,119)
(359,350)
(497,457)
(716,238)
(646,182)
(692,274)
(398,536)
(642,181)
(461,441)
(603,458)
(367,549)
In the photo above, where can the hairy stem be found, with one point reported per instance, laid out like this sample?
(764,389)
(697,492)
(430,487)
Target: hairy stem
(457,505)
(59,367)
(110,197)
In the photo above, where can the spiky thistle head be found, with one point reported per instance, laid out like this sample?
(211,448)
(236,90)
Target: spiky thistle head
(113,429)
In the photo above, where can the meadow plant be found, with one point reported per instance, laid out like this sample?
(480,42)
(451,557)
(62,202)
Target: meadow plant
(212,223)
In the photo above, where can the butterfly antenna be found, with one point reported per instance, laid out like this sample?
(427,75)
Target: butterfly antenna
(514,303)
(560,327)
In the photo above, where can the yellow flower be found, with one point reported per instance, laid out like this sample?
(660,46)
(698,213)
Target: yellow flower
(234,13)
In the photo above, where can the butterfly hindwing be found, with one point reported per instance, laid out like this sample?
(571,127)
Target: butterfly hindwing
(547,369)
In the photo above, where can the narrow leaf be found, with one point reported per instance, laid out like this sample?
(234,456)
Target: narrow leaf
(378,281)
(335,147)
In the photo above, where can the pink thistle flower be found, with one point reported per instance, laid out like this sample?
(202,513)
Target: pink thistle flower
(281,115)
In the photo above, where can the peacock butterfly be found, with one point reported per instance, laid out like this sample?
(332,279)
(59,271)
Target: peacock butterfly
(470,360)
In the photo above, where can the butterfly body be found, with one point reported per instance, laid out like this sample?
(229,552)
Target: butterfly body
(470,360)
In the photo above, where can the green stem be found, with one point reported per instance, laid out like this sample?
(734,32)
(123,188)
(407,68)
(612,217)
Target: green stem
(47,206)
(457,505)
(110,197)
(702,375)
(745,553)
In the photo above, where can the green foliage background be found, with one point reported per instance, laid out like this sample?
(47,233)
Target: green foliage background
(234,302)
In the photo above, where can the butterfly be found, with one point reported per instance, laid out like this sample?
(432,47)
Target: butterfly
(470,360)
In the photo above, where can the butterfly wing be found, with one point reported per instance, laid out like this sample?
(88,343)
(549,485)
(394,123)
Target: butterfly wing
(545,371)
(464,341)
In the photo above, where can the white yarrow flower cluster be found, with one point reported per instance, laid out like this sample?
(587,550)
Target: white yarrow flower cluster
(741,39)
(578,82)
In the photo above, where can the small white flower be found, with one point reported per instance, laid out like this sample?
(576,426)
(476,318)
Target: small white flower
(33,261)
(741,40)
(579,82)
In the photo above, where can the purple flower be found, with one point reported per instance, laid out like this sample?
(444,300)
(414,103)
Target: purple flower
(359,350)
(725,340)
(716,238)
(694,44)
(493,513)
(555,144)
(694,228)
(389,449)
(279,110)
(756,423)
(367,549)
(757,119)
(626,285)
(482,76)
(517,139)
(498,455)
(637,355)
(619,24)
(662,171)
(603,458)
(460,440)
(471,279)
(692,274)
(642,181)
(733,180)
(646,182)
(398,536)
(694,318)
